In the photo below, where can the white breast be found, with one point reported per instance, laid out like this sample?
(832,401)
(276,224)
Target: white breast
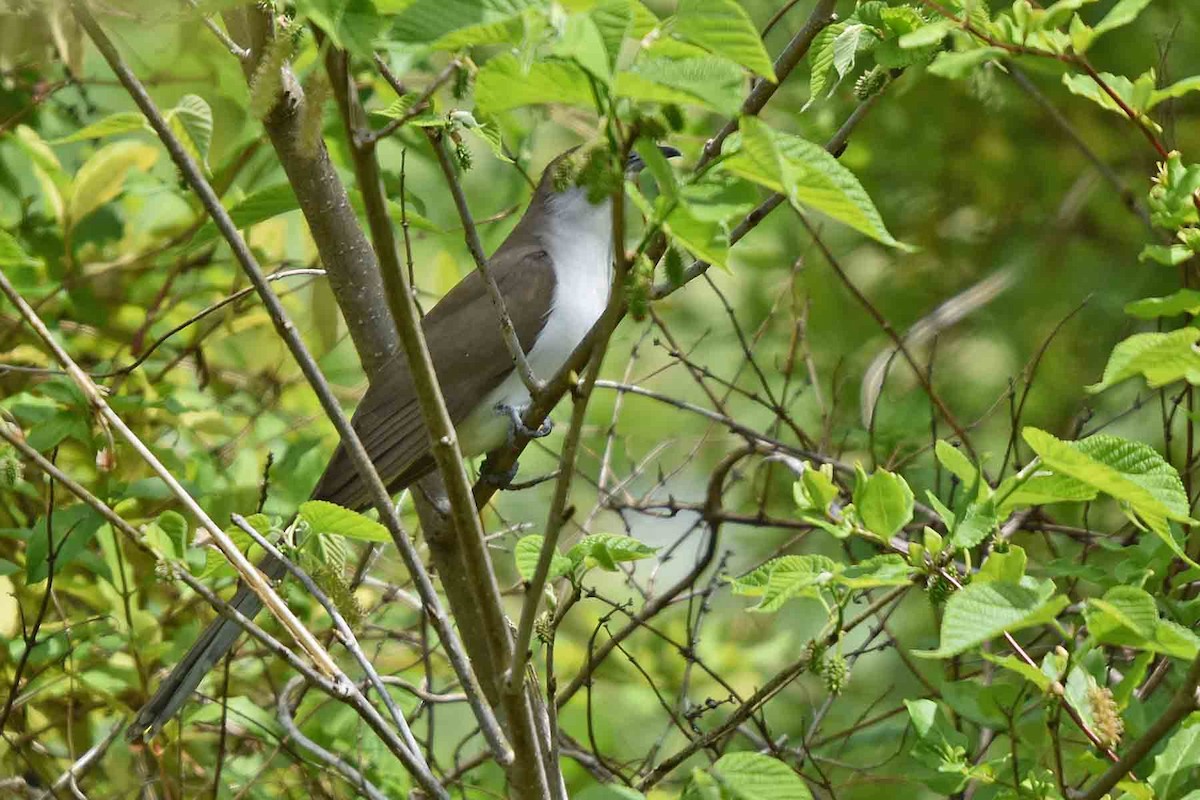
(579,242)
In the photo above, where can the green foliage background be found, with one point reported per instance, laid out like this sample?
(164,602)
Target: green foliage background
(973,173)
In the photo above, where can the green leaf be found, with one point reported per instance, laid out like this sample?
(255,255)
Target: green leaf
(73,529)
(1122,612)
(752,776)
(724,28)
(959,64)
(1173,767)
(502,84)
(8,568)
(583,42)
(1168,255)
(1184,301)
(783,578)
(63,424)
(1006,567)
(707,240)
(940,749)
(102,176)
(1160,358)
(1177,89)
(881,570)
(526,556)
(884,502)
(351,24)
(820,60)
(253,209)
(1123,13)
(457,24)
(609,791)
(1130,472)
(191,121)
(977,522)
(955,462)
(983,611)
(324,517)
(174,534)
(710,82)
(809,176)
(606,550)
(112,125)
(12,254)
(1137,96)
(1014,664)
(1042,488)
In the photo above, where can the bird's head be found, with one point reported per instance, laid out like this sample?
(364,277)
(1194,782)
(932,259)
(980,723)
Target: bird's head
(589,173)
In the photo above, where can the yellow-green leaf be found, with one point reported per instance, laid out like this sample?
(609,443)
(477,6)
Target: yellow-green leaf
(102,177)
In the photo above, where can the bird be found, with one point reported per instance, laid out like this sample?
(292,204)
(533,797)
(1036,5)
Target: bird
(554,271)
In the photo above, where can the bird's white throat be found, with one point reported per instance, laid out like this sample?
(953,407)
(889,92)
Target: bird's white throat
(578,239)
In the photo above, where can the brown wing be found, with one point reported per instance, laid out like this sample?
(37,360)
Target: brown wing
(470,360)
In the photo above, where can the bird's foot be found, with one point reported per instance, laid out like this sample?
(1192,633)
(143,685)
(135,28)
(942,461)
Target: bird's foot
(514,414)
(501,480)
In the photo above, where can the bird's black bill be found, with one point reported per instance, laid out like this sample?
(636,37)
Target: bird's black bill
(636,165)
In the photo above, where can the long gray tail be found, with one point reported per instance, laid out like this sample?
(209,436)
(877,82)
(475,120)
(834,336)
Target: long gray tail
(210,648)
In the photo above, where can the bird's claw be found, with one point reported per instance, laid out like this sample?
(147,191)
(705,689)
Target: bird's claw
(518,425)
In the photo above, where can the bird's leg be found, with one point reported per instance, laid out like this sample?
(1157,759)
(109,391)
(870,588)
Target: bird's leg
(514,414)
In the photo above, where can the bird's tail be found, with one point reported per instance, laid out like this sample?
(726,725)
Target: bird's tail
(210,648)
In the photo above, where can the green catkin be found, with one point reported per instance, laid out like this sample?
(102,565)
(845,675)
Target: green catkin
(835,673)
(939,589)
(312,116)
(1108,723)
(543,628)
(637,289)
(266,85)
(334,584)
(462,83)
(673,265)
(11,469)
(871,82)
(598,176)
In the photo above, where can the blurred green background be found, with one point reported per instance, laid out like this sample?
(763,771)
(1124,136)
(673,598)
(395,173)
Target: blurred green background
(976,174)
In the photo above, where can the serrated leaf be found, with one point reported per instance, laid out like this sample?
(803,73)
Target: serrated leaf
(112,125)
(12,254)
(783,578)
(1042,488)
(526,554)
(710,82)
(820,60)
(1177,89)
(810,177)
(174,529)
(606,550)
(457,24)
(1160,358)
(707,240)
(884,502)
(724,28)
(1123,13)
(752,776)
(1123,615)
(1174,766)
(191,121)
(1168,255)
(983,611)
(882,570)
(102,176)
(253,209)
(1184,301)
(503,84)
(325,517)
(1130,472)
(1014,664)
(1138,98)
(959,64)
(976,524)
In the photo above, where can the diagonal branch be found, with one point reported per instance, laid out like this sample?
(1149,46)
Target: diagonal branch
(287,331)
